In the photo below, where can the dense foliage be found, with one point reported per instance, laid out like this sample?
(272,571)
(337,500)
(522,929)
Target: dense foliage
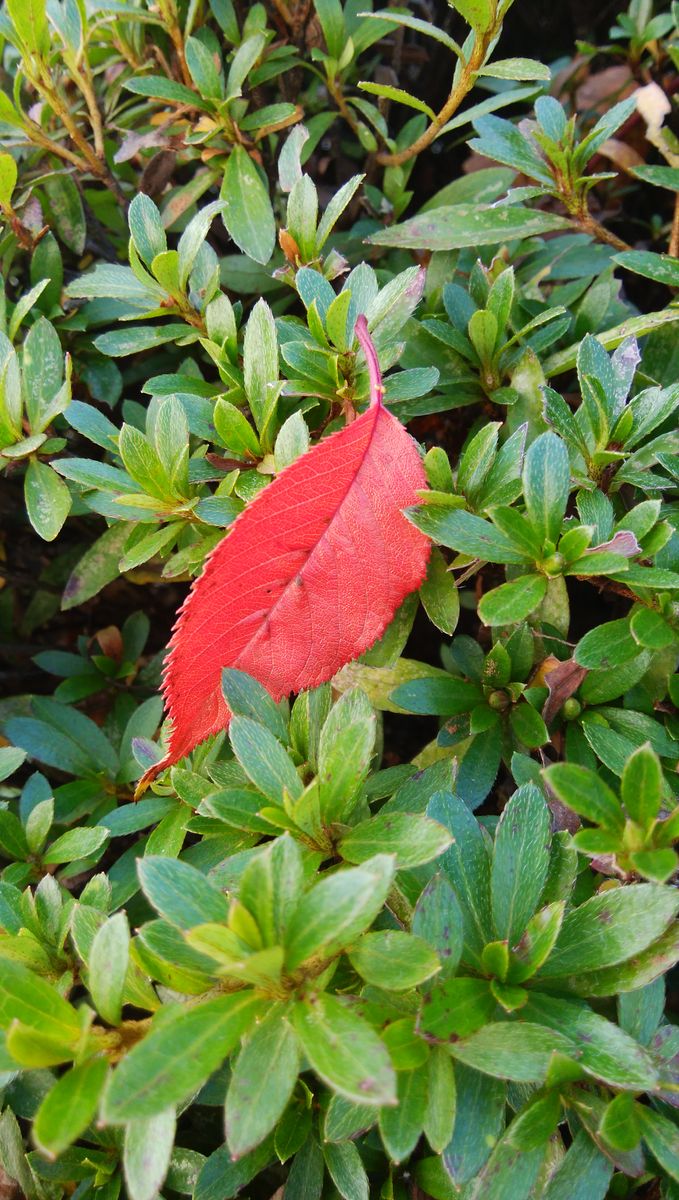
(407,934)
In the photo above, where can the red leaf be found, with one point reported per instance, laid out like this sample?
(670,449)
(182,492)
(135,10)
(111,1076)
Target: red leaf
(308,577)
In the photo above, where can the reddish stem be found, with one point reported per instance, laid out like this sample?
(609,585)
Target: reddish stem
(368,347)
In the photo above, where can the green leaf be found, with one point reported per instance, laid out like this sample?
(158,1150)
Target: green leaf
(235,430)
(270,887)
(610,928)
(66,210)
(480,1118)
(401,1126)
(439,594)
(565,360)
(146,228)
(662,1138)
(398,95)
(546,485)
(344,1050)
(48,500)
(516,68)
(586,794)
(336,910)
(262,1081)
(584,1173)
(438,919)
(194,236)
(520,861)
(162,88)
(13,1156)
(603,1049)
(346,1170)
(536,943)
(607,645)
(221,1178)
(510,1173)
(452,227)
(619,1126)
(514,601)
(344,752)
(248,217)
(467,865)
(660,267)
(11,759)
(180,893)
(520,1051)
(642,786)
(97,567)
(413,838)
(331,17)
(439,1117)
(12,836)
(146,1155)
(667,177)
(242,63)
(478,13)
(76,844)
(107,965)
(8,178)
(260,364)
(264,760)
(69,1107)
(203,69)
(443,695)
(305,1180)
(178,1055)
(135,338)
(292,441)
(528,726)
(466,533)
(344,1120)
(30,22)
(393,960)
(650,630)
(455,1008)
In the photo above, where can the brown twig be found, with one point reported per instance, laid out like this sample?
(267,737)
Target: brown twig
(673,248)
(458,93)
(590,225)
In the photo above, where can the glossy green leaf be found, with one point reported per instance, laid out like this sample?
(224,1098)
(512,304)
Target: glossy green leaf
(344,1051)
(248,217)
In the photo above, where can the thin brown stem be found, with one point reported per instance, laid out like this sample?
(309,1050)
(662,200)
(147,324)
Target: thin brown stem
(459,91)
(673,248)
(36,135)
(284,12)
(337,94)
(95,164)
(169,15)
(590,225)
(85,84)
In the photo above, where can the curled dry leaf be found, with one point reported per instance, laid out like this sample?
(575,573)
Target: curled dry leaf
(308,577)
(562,680)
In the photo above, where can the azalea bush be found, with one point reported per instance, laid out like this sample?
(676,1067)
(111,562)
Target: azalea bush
(338,619)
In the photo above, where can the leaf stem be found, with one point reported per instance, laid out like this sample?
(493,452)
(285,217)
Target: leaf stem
(673,248)
(368,347)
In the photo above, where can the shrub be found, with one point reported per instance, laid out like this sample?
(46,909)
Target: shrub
(393,882)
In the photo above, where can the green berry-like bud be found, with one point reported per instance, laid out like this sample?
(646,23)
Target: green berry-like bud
(498,701)
(571,709)
(554,565)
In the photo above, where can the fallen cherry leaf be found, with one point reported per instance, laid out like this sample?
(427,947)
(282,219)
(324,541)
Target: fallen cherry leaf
(308,577)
